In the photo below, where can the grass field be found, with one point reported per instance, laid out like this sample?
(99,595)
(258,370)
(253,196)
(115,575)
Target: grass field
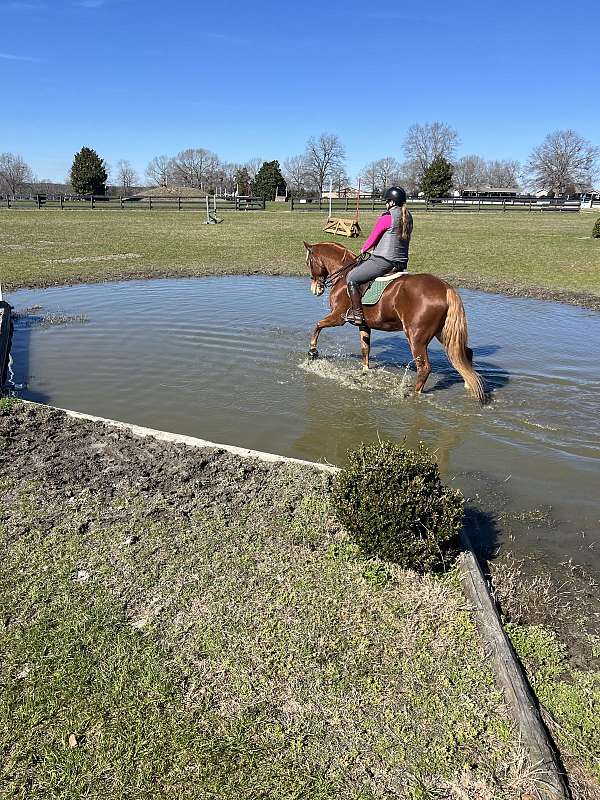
(507,252)
(185,624)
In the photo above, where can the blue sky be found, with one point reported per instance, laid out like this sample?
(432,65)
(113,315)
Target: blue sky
(136,79)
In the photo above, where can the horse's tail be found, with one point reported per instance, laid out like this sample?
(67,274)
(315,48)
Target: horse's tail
(454,339)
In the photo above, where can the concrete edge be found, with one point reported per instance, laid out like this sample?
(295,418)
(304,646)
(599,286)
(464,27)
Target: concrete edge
(190,441)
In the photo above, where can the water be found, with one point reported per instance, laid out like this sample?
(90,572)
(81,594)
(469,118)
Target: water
(225,359)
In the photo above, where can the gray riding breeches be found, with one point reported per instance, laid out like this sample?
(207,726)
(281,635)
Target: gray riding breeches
(374,267)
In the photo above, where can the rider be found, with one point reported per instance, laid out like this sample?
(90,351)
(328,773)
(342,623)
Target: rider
(389,239)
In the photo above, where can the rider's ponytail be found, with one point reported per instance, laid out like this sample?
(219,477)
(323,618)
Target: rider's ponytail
(406,224)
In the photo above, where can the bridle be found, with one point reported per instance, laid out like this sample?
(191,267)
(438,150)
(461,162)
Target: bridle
(331,278)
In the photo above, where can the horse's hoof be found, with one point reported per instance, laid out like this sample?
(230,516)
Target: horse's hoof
(313,353)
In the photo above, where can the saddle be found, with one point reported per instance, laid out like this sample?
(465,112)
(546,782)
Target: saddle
(371,292)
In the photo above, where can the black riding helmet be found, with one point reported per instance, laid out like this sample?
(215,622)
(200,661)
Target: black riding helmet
(396,194)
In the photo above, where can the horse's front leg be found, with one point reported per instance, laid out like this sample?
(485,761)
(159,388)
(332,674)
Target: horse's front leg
(332,320)
(365,345)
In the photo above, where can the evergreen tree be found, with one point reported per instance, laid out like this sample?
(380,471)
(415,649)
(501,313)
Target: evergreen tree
(437,178)
(269,181)
(242,180)
(88,172)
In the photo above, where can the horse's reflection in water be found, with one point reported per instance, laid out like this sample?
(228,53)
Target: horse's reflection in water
(421,305)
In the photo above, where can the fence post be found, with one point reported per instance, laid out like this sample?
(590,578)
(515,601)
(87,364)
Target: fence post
(91,201)
(454,204)
(479,205)
(292,203)
(530,206)
(264,203)
(8,201)
(37,200)
(179,204)
(62,202)
(504,206)
(346,206)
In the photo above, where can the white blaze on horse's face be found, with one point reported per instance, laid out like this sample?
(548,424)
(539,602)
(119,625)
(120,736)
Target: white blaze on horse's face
(316,288)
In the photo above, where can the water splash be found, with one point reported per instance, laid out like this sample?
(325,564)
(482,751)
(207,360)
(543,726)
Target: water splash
(347,372)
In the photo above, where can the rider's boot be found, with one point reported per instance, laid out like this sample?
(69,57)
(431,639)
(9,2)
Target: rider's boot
(354,315)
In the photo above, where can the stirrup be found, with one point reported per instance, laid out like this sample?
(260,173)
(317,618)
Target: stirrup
(350,316)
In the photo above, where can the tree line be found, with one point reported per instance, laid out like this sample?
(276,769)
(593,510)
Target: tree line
(564,163)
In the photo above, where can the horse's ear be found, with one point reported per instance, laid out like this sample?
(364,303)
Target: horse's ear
(308,246)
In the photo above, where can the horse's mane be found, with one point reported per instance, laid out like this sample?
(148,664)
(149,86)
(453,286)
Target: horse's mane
(343,268)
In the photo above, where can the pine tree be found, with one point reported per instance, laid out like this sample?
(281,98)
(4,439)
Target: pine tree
(269,181)
(437,178)
(242,180)
(88,172)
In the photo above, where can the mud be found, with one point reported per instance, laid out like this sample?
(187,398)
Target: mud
(71,457)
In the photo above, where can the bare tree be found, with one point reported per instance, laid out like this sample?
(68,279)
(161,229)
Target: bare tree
(324,156)
(195,167)
(229,172)
(14,173)
(253,165)
(339,180)
(425,143)
(562,162)
(158,171)
(126,175)
(410,177)
(469,172)
(294,172)
(388,170)
(503,174)
(368,177)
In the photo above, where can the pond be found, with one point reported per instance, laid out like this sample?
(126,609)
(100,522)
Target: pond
(224,359)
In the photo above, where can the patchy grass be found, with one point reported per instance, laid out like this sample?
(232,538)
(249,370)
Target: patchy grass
(508,252)
(571,696)
(208,641)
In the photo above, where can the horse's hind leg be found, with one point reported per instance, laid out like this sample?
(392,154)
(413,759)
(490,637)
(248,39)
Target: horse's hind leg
(418,348)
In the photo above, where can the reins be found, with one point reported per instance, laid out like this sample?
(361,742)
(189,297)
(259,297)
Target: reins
(335,277)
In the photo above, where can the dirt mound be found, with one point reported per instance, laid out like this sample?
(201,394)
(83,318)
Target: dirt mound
(70,456)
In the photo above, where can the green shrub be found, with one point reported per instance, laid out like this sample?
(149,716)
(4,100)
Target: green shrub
(596,229)
(392,503)
(7,404)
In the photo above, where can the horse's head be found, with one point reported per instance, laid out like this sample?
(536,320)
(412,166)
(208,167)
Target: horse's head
(318,270)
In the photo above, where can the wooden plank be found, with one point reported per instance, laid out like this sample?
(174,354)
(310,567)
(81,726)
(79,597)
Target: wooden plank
(6,328)
(548,776)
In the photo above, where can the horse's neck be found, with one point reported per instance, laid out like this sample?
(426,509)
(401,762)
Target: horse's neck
(338,258)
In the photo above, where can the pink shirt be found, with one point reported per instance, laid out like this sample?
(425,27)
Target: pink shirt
(381,226)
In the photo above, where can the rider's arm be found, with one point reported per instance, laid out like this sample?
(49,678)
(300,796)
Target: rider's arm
(383,223)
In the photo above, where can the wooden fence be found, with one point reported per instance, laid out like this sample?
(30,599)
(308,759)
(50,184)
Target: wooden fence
(347,206)
(65,202)
(342,207)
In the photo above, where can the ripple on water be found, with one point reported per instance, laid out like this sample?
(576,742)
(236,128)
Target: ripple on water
(225,359)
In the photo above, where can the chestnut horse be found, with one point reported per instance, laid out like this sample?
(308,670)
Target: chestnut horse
(421,305)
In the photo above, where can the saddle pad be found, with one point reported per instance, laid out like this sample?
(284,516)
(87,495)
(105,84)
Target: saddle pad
(375,290)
